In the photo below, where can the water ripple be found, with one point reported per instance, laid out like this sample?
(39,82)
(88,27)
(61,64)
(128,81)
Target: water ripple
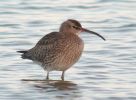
(106,70)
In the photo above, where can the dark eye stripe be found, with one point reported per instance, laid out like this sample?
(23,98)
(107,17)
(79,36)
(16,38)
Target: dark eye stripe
(76,27)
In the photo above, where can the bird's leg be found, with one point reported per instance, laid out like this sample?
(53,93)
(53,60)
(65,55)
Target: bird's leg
(47,77)
(62,76)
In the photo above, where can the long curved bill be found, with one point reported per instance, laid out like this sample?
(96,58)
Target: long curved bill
(88,31)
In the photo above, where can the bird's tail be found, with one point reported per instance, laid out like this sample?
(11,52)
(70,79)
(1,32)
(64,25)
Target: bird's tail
(24,56)
(22,52)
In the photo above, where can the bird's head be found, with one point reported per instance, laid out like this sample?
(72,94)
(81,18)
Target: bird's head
(73,26)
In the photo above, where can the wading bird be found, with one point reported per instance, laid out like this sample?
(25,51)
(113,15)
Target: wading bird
(59,50)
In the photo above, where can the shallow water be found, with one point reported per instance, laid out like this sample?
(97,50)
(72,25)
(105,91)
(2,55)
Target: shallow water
(106,70)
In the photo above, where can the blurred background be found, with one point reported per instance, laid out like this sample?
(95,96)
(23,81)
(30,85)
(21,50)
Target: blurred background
(106,70)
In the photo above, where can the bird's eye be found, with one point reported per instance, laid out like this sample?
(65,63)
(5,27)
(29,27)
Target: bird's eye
(76,27)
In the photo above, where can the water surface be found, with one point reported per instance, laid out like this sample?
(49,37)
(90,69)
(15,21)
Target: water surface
(106,70)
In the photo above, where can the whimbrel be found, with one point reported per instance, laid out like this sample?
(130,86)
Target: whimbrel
(59,50)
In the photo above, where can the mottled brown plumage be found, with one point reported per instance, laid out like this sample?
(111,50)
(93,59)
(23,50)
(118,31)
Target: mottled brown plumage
(58,50)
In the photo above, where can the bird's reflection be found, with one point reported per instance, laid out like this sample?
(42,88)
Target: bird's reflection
(58,84)
(56,88)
